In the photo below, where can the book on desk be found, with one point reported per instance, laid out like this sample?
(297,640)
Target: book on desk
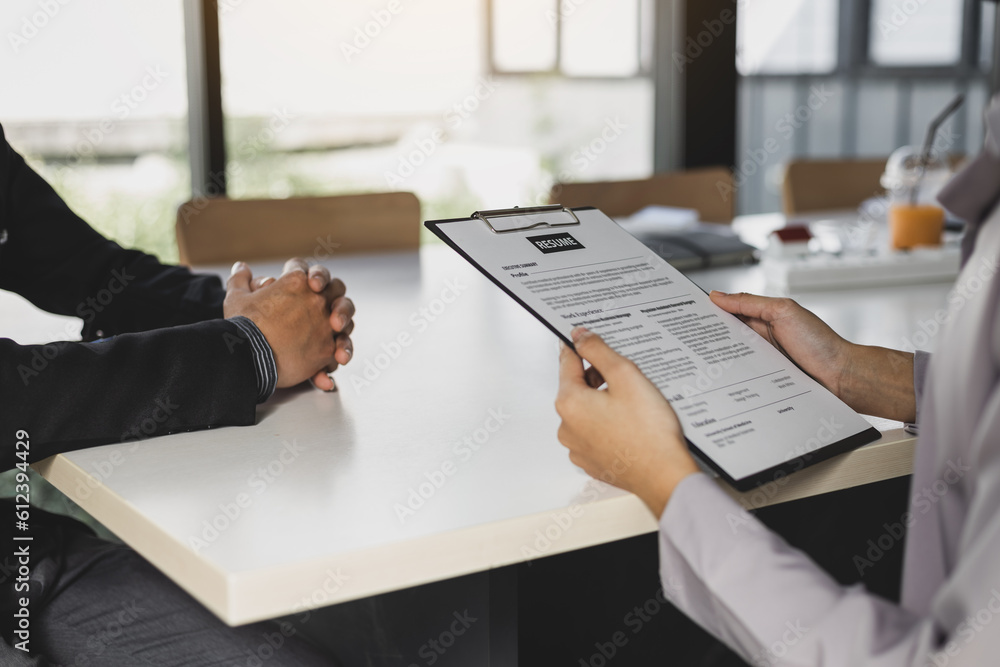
(676,235)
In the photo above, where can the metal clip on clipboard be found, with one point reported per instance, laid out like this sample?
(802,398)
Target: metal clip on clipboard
(501,220)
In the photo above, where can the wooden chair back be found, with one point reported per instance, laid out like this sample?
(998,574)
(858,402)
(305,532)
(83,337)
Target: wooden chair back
(709,191)
(221,230)
(828,185)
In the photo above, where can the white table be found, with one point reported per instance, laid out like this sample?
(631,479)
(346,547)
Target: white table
(323,525)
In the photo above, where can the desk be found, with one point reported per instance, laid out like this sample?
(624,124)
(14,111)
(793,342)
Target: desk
(447,410)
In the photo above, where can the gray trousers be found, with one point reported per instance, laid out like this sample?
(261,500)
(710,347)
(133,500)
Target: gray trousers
(106,606)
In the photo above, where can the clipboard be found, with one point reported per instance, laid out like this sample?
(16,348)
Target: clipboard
(506,220)
(555,228)
(503,221)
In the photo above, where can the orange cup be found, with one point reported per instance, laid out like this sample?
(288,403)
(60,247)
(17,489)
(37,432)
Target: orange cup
(911,226)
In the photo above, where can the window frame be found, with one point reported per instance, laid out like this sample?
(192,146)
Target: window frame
(837,60)
(968,58)
(854,58)
(674,145)
(647,11)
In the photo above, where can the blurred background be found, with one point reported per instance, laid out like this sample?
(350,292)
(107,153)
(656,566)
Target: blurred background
(469,103)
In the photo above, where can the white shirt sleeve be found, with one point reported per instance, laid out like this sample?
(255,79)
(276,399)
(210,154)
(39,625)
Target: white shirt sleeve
(769,602)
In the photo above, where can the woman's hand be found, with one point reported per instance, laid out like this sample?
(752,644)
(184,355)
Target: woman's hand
(627,434)
(795,332)
(872,380)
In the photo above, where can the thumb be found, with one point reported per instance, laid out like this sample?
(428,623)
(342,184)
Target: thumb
(239,278)
(609,363)
(728,302)
(747,305)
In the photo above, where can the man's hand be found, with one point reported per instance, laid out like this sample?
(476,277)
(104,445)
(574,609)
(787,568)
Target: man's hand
(627,434)
(304,315)
(872,380)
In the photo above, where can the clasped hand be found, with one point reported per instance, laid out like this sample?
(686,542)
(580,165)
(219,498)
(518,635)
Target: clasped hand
(304,315)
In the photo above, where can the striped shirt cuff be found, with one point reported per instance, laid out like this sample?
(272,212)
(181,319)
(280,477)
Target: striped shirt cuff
(263,357)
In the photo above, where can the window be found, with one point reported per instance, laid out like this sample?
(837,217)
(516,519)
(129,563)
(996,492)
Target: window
(915,33)
(575,38)
(360,99)
(525,35)
(786,36)
(901,62)
(95,97)
(987,26)
(601,38)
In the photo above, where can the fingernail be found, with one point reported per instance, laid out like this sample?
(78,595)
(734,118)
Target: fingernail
(578,333)
(349,351)
(236,267)
(333,382)
(715,291)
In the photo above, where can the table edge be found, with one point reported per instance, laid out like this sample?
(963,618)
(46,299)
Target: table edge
(244,597)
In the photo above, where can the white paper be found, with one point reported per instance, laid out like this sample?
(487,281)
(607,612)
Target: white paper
(741,402)
(660,220)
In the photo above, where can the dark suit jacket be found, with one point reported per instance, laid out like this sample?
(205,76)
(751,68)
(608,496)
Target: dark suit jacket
(168,361)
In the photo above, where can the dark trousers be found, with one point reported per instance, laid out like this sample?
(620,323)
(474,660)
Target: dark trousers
(97,603)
